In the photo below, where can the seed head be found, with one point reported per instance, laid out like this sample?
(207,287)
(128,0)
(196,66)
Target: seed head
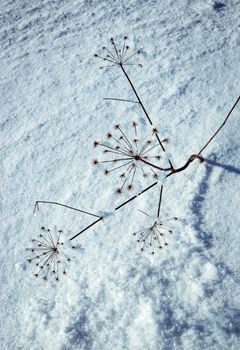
(127,151)
(49,259)
(118,57)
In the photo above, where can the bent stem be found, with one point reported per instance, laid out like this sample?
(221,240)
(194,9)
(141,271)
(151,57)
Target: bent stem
(193,156)
(36,208)
(220,127)
(198,155)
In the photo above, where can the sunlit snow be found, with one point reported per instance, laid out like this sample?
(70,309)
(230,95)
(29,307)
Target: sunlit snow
(113,296)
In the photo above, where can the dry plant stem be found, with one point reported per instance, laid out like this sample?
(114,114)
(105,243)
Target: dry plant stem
(86,228)
(129,200)
(119,99)
(36,208)
(140,102)
(136,94)
(160,200)
(100,218)
(220,127)
(117,208)
(193,156)
(198,156)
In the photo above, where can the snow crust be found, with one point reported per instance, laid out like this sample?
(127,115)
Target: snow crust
(52,109)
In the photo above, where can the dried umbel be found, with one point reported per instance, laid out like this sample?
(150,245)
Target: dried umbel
(155,237)
(129,155)
(118,56)
(47,255)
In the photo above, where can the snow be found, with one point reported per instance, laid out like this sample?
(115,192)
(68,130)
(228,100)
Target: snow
(52,110)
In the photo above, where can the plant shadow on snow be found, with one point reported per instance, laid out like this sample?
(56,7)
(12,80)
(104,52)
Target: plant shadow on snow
(229,315)
(231,325)
(197,203)
(229,168)
(79,335)
(196,207)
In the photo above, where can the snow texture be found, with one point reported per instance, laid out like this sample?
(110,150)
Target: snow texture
(52,109)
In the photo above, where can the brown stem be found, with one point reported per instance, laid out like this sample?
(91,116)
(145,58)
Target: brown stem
(171,169)
(140,102)
(86,228)
(119,99)
(193,156)
(189,161)
(155,166)
(129,200)
(117,208)
(36,208)
(160,200)
(220,127)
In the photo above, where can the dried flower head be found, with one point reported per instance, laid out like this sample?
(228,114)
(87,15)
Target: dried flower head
(47,255)
(115,57)
(154,237)
(129,155)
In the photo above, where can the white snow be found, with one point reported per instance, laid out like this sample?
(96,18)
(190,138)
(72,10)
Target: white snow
(52,109)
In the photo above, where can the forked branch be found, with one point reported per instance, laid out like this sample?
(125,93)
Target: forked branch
(121,59)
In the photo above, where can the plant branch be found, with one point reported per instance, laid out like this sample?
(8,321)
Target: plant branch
(160,200)
(220,127)
(36,208)
(140,102)
(198,156)
(119,99)
(193,156)
(120,206)
(155,166)
(86,228)
(129,200)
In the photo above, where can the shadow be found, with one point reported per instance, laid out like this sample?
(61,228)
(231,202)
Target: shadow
(218,6)
(197,203)
(229,168)
(79,334)
(231,325)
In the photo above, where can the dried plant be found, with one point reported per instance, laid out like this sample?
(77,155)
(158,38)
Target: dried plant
(118,62)
(47,254)
(127,154)
(118,56)
(155,237)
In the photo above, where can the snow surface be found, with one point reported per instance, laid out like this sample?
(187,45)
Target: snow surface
(115,297)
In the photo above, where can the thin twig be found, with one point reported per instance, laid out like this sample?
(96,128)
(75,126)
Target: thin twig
(36,208)
(119,99)
(86,228)
(193,156)
(160,200)
(120,206)
(140,102)
(129,200)
(220,127)
(136,94)
(198,156)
